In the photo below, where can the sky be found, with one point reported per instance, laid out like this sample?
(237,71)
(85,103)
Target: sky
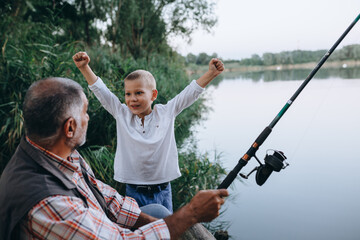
(252,27)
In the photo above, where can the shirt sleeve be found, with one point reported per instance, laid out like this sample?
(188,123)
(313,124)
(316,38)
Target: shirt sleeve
(185,98)
(124,209)
(107,99)
(65,217)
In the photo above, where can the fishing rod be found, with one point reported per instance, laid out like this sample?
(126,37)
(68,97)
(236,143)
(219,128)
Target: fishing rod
(276,160)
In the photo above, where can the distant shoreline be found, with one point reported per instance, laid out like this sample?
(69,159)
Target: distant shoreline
(235,67)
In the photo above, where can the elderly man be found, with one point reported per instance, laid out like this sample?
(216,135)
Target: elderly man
(47,190)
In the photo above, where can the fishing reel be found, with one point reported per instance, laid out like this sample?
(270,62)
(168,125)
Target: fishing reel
(273,162)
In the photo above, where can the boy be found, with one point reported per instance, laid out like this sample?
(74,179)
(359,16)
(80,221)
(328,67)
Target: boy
(146,156)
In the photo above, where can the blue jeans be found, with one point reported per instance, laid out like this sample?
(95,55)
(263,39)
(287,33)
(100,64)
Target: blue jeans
(155,210)
(162,197)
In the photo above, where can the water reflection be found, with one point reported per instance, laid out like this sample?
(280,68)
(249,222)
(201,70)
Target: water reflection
(295,74)
(318,196)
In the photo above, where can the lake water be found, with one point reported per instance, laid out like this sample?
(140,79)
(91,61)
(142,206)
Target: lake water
(318,195)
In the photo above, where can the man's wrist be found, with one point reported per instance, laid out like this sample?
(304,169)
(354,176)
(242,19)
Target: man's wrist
(181,220)
(190,214)
(143,219)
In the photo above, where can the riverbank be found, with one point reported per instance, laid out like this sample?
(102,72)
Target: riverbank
(236,67)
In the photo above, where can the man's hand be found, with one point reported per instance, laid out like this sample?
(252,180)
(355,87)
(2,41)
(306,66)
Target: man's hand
(81,59)
(216,66)
(206,204)
(204,207)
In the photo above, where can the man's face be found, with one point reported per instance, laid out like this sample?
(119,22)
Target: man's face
(80,134)
(139,96)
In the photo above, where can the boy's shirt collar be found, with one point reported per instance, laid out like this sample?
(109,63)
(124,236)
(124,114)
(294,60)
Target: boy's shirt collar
(146,118)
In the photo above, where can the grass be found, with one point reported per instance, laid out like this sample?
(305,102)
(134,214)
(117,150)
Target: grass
(31,52)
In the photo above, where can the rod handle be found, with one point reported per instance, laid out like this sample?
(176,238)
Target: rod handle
(258,142)
(232,175)
(263,135)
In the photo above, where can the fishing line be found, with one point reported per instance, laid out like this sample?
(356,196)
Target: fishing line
(313,117)
(276,160)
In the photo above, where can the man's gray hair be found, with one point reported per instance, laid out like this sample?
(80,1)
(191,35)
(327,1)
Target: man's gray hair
(48,104)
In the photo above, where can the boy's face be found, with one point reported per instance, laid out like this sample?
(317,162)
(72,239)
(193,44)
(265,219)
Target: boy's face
(139,96)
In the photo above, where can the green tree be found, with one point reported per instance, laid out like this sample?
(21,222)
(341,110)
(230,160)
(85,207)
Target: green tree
(268,59)
(256,60)
(190,58)
(356,51)
(202,59)
(283,58)
(69,19)
(86,14)
(141,27)
(214,55)
(137,28)
(347,52)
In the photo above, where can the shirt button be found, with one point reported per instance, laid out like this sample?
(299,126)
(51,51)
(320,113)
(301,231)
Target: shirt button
(143,131)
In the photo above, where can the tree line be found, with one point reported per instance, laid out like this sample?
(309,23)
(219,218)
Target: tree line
(135,28)
(350,52)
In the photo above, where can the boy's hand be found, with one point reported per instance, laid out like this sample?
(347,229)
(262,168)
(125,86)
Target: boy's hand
(81,59)
(216,66)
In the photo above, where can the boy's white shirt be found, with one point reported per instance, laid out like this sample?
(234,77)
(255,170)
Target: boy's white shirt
(146,155)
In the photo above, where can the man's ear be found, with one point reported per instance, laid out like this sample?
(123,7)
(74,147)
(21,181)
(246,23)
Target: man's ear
(70,127)
(154,94)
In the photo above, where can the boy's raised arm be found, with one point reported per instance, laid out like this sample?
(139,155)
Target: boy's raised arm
(81,60)
(215,68)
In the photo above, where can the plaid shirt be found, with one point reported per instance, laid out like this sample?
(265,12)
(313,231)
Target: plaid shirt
(66,217)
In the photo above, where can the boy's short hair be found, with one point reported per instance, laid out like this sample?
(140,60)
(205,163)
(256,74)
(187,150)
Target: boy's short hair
(142,75)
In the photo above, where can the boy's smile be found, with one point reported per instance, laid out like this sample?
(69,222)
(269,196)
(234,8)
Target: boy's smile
(139,96)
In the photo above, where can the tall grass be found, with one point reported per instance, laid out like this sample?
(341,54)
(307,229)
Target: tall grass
(101,161)
(198,173)
(31,52)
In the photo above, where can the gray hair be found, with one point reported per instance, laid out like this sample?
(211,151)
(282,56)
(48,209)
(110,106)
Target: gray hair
(48,104)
